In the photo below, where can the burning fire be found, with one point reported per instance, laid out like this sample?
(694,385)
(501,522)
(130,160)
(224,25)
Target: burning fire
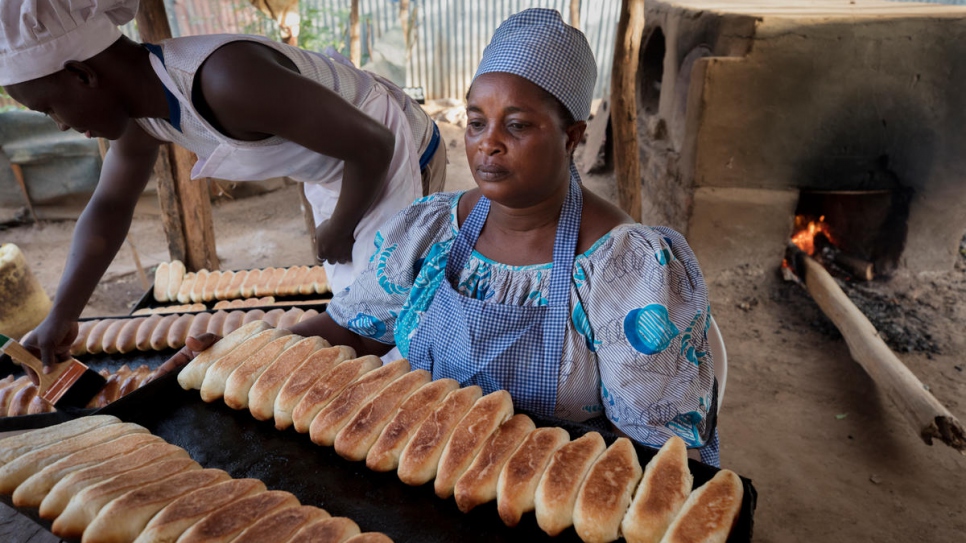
(806,228)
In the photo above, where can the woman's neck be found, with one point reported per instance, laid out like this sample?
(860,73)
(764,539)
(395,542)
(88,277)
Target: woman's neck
(522,236)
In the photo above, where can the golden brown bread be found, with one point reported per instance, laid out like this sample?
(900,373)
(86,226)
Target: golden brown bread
(240,381)
(161,282)
(79,346)
(168,525)
(326,388)
(8,392)
(96,335)
(127,338)
(272,317)
(198,288)
(356,438)
(142,341)
(193,374)
(247,289)
(710,512)
(468,438)
(384,454)
(34,489)
(208,292)
(226,523)
(234,321)
(179,331)
(187,285)
(253,315)
(15,446)
(330,530)
(478,483)
(606,493)
(265,278)
(234,289)
(216,324)
(292,388)
(109,341)
(281,525)
(19,469)
(84,506)
(289,318)
(176,273)
(122,519)
(319,360)
(308,314)
(664,488)
(264,347)
(159,337)
(110,392)
(518,480)
(284,287)
(224,285)
(347,403)
(39,405)
(61,493)
(5,394)
(199,325)
(558,486)
(20,403)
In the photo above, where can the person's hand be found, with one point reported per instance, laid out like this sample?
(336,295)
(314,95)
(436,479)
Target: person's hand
(333,243)
(193,346)
(50,342)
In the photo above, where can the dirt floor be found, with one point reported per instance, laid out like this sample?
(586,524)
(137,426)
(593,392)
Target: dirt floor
(831,457)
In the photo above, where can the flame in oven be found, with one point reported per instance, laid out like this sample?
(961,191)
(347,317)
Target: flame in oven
(806,228)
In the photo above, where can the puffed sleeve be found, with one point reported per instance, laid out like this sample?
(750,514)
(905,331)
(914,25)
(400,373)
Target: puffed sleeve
(371,305)
(643,309)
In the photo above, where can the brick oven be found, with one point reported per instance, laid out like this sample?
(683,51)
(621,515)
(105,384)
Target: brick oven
(854,111)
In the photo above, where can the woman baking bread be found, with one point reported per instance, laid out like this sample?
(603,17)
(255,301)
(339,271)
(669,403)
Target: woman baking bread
(530,283)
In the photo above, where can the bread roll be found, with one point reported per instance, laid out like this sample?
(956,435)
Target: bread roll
(186,510)
(356,438)
(187,286)
(34,489)
(240,382)
(84,506)
(226,523)
(254,315)
(233,321)
(284,286)
(126,340)
(308,314)
(260,288)
(384,454)
(281,525)
(262,346)
(347,403)
(330,530)
(193,374)
(272,317)
(252,279)
(19,469)
(20,402)
(298,280)
(518,480)
(606,493)
(224,285)
(161,282)
(109,341)
(235,287)
(199,325)
(133,382)
(216,323)
(7,394)
(79,346)
(142,337)
(488,414)
(320,282)
(124,518)
(39,405)
(300,382)
(95,338)
(369,537)
(198,288)
(710,512)
(328,387)
(302,372)
(16,446)
(664,488)
(176,273)
(208,291)
(289,318)
(159,338)
(5,385)
(108,394)
(179,331)
(557,490)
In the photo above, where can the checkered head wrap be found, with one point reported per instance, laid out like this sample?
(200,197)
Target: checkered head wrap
(538,46)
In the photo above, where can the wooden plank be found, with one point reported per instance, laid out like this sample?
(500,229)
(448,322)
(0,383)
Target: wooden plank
(575,14)
(18,174)
(355,43)
(185,204)
(623,111)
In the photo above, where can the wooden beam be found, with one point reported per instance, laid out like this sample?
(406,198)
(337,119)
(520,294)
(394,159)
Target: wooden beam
(623,92)
(355,44)
(185,204)
(18,175)
(575,14)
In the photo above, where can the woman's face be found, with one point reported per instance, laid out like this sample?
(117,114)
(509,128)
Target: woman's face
(516,144)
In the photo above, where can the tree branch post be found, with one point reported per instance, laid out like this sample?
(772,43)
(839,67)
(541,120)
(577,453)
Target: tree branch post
(624,106)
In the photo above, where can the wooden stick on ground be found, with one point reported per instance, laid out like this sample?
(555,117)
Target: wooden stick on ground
(929,417)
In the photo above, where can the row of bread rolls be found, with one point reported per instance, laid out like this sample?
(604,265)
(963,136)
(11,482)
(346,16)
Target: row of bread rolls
(20,396)
(172,283)
(473,445)
(101,480)
(181,308)
(159,332)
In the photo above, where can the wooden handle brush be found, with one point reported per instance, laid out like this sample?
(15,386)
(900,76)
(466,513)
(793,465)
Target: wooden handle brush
(70,384)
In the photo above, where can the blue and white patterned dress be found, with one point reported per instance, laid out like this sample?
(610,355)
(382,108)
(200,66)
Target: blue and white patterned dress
(635,348)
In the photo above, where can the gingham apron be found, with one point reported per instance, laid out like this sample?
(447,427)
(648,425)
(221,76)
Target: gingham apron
(501,346)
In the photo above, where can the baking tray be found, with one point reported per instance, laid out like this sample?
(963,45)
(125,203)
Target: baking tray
(286,460)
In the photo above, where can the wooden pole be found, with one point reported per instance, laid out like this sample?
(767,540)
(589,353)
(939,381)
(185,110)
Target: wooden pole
(624,106)
(575,14)
(185,204)
(404,22)
(929,417)
(355,45)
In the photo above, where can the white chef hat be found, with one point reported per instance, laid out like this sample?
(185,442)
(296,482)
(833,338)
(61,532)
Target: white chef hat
(37,37)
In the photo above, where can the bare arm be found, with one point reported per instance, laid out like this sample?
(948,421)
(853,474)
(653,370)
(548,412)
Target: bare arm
(254,92)
(323,325)
(98,236)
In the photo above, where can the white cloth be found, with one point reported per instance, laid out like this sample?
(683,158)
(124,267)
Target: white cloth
(37,37)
